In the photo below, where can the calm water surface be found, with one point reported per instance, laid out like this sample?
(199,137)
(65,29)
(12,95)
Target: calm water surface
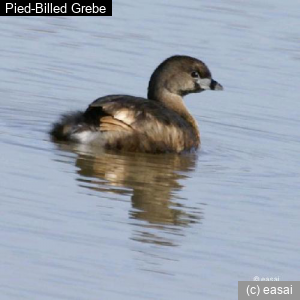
(80,224)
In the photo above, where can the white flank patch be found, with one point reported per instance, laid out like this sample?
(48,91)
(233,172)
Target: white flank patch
(88,137)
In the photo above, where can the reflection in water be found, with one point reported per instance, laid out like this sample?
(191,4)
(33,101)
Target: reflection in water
(152,182)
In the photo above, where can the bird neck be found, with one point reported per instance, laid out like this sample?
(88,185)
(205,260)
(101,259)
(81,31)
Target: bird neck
(174,102)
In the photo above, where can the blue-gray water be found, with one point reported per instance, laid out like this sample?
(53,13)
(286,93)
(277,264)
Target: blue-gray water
(81,225)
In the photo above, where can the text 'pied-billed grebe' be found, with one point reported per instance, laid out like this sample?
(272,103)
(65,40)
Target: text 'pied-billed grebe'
(158,124)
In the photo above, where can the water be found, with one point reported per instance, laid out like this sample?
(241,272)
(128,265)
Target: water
(82,225)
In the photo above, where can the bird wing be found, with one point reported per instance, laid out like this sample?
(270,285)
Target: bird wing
(122,112)
(149,124)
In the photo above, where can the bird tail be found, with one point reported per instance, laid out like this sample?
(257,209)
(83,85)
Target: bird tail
(63,129)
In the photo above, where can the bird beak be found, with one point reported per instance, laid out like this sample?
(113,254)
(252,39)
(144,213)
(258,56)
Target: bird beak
(214,85)
(209,84)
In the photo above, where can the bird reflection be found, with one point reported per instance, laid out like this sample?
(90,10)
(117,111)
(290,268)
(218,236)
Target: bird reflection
(152,182)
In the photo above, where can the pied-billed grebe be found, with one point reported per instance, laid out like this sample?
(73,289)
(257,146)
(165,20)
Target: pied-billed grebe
(158,124)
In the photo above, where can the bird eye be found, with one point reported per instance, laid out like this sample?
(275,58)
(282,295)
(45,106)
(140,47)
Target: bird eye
(195,74)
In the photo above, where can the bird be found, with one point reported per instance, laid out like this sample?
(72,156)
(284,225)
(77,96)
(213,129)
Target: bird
(160,123)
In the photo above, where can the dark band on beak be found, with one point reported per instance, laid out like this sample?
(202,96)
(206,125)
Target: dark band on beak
(214,85)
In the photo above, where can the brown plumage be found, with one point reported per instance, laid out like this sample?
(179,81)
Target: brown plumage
(158,124)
